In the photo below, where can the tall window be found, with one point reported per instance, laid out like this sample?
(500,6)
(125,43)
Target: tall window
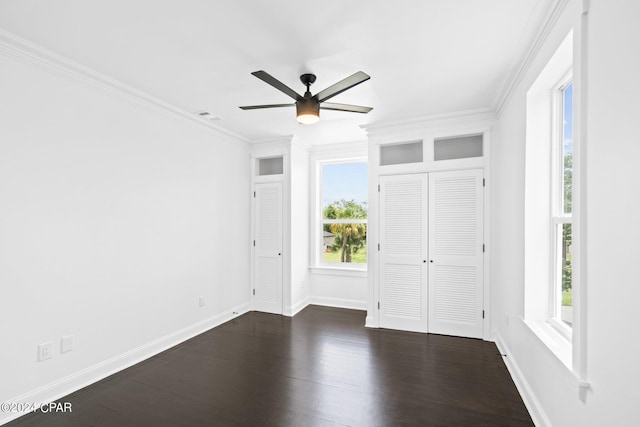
(561,206)
(344,214)
(548,220)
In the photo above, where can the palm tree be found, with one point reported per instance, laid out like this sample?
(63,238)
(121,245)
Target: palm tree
(348,237)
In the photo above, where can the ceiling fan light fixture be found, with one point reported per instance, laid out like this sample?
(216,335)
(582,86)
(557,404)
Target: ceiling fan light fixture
(308,105)
(307,111)
(307,119)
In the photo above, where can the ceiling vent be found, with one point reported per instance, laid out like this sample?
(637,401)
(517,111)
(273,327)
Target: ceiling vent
(208,116)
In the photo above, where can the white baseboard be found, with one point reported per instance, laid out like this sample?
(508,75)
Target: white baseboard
(371,322)
(64,386)
(538,415)
(339,303)
(299,306)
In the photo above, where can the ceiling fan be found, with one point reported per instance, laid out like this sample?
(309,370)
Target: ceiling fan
(308,106)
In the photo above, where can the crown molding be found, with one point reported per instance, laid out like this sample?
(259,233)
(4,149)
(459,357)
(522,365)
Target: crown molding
(29,53)
(273,146)
(469,118)
(550,15)
(275,140)
(348,149)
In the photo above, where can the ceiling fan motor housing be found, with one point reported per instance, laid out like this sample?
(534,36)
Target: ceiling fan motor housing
(307,108)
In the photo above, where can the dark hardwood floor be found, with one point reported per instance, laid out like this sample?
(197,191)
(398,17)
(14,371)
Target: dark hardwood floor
(320,368)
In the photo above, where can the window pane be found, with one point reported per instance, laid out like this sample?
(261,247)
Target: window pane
(461,147)
(344,190)
(344,198)
(270,166)
(566,288)
(344,243)
(398,154)
(567,146)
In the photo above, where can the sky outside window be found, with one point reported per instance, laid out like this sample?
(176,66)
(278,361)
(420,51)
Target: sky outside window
(346,181)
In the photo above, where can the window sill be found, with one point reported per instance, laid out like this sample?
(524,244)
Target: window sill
(339,271)
(553,340)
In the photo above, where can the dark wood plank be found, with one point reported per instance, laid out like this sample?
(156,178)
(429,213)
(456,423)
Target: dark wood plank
(320,368)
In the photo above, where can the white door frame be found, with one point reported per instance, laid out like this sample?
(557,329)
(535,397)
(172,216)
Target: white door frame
(272,253)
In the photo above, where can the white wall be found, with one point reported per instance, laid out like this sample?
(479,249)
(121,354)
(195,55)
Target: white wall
(114,219)
(339,289)
(612,212)
(613,209)
(299,229)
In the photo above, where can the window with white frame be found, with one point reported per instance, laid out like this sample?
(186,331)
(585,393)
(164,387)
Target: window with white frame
(343,214)
(561,223)
(549,224)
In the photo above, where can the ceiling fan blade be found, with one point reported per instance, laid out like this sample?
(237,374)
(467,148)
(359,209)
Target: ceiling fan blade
(268,78)
(342,85)
(345,107)
(257,107)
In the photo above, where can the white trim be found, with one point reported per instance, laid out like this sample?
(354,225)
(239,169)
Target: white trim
(552,340)
(300,305)
(26,52)
(488,285)
(543,186)
(579,205)
(371,322)
(64,386)
(517,73)
(345,221)
(558,215)
(564,330)
(536,411)
(340,271)
(339,150)
(276,148)
(448,124)
(316,220)
(426,130)
(339,303)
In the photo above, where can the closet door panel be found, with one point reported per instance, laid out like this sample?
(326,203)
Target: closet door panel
(403,251)
(456,253)
(268,248)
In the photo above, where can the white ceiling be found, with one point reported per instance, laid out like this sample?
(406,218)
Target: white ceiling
(425,57)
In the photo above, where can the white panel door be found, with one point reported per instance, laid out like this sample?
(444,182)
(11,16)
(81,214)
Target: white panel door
(268,248)
(455,253)
(403,252)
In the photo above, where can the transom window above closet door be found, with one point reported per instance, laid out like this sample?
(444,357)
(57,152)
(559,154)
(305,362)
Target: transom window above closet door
(446,152)
(270,166)
(399,154)
(457,147)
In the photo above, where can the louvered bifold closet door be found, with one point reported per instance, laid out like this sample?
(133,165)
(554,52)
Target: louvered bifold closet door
(403,251)
(268,248)
(456,253)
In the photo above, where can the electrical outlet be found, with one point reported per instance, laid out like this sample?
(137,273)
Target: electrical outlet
(45,351)
(201,302)
(66,344)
